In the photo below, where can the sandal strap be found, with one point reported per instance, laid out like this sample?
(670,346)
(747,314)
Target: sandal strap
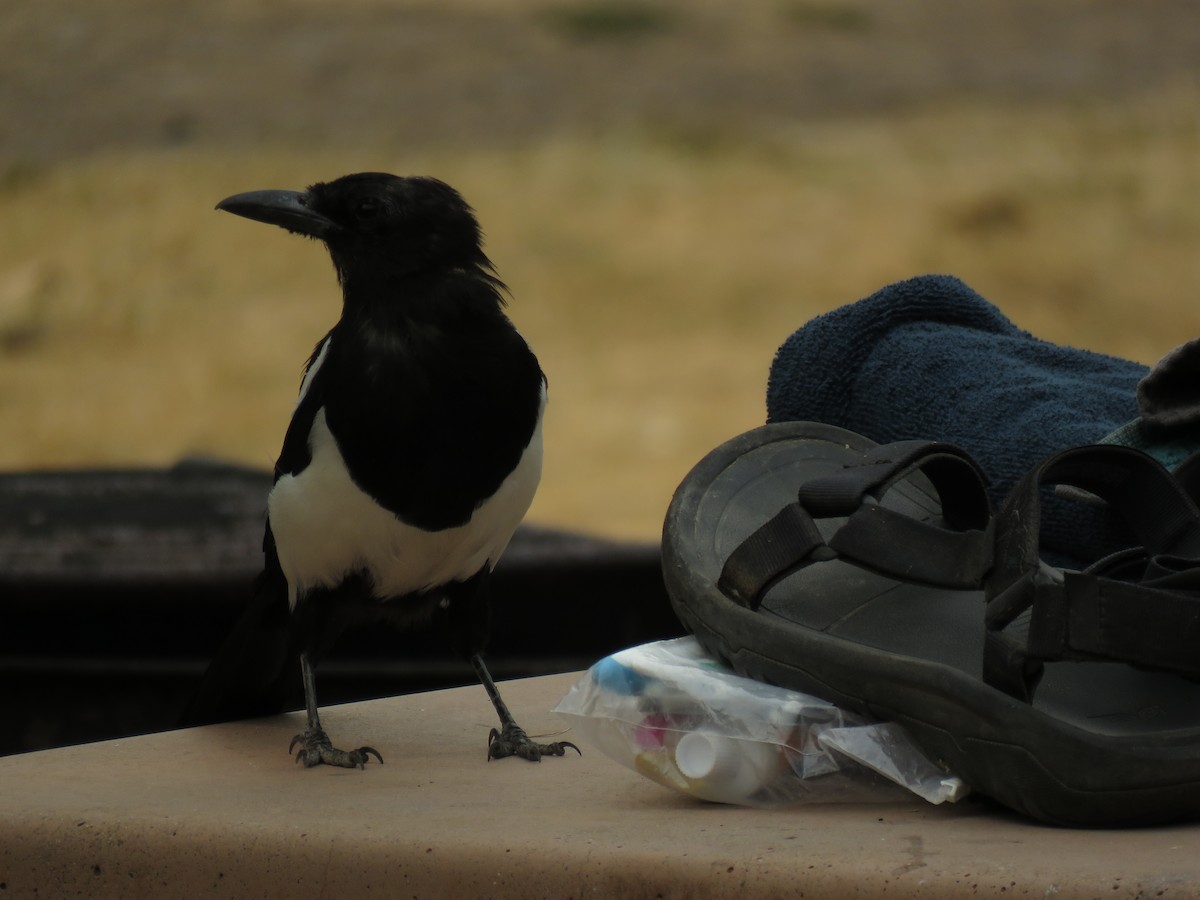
(873,536)
(1092,615)
(1187,473)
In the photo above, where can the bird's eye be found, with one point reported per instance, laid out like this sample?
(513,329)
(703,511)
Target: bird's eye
(368,210)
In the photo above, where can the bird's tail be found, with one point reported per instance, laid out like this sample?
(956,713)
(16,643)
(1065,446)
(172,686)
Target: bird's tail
(256,671)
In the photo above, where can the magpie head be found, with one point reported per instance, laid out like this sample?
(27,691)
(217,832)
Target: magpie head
(376,226)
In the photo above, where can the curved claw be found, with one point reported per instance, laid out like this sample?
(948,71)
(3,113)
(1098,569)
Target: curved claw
(559,748)
(493,736)
(366,752)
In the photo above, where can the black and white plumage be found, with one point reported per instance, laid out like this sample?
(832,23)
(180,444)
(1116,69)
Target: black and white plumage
(413,453)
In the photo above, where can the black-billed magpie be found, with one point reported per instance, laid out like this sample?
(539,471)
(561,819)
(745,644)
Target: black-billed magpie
(412,455)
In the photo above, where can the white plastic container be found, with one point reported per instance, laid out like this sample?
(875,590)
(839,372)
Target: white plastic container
(725,769)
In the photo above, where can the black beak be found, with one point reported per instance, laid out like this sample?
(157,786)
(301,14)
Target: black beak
(286,209)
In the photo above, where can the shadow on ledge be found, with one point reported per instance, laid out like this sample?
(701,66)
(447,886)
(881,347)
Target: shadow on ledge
(116,586)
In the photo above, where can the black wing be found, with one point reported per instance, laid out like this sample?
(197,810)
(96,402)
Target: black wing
(432,428)
(253,673)
(295,455)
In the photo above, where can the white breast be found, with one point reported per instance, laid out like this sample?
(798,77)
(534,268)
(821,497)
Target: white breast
(325,527)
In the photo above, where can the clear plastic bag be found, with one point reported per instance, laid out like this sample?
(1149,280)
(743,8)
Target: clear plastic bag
(673,714)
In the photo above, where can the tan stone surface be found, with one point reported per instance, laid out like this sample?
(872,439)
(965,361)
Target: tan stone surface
(223,812)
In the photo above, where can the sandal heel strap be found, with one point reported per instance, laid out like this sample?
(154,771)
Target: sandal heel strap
(1093,616)
(872,535)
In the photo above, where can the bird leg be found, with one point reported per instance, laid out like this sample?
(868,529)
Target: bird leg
(315,746)
(510,739)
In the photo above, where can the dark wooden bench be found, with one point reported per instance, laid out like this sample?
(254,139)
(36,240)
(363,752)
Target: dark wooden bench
(117,585)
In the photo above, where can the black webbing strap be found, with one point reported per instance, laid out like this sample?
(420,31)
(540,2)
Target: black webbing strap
(873,536)
(1154,622)
(785,542)
(1094,618)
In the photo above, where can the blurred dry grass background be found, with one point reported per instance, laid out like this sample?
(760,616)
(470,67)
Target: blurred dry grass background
(668,188)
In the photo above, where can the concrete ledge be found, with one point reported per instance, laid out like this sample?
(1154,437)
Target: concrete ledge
(223,812)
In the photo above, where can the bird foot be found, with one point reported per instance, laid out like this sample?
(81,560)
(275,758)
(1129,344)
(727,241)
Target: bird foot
(513,741)
(316,749)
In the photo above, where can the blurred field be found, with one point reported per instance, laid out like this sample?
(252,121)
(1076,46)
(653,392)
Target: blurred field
(656,261)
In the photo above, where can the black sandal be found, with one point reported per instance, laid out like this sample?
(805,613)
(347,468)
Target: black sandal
(809,557)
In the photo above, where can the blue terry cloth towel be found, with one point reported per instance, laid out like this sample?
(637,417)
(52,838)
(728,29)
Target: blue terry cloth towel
(930,358)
